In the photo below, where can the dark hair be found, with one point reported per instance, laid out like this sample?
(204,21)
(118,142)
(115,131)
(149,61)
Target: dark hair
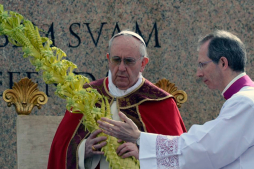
(223,43)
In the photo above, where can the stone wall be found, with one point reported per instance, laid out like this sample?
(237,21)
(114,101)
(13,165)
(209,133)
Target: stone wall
(82,29)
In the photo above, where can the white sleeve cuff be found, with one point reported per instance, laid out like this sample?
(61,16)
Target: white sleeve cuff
(159,151)
(147,150)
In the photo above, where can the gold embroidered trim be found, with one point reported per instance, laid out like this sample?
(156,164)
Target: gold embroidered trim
(105,87)
(143,81)
(145,101)
(69,145)
(140,118)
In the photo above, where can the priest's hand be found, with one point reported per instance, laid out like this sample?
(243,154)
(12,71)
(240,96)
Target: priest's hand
(128,149)
(94,144)
(125,130)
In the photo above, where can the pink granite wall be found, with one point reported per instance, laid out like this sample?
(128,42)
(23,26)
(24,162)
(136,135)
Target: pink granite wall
(82,29)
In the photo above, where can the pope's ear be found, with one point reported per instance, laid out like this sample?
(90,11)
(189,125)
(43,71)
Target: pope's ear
(144,62)
(108,56)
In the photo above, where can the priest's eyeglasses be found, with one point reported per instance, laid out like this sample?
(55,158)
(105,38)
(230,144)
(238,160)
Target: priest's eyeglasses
(202,64)
(116,60)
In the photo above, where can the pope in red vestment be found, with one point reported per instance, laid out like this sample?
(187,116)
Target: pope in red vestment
(151,108)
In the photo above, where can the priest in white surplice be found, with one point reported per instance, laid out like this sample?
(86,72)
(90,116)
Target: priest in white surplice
(226,142)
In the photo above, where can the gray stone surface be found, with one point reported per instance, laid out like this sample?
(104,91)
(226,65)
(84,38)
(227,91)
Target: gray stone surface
(34,137)
(179,25)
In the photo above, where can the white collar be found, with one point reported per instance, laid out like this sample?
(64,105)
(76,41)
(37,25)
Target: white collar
(116,92)
(233,81)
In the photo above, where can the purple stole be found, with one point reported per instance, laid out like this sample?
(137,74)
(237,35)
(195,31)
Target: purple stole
(237,85)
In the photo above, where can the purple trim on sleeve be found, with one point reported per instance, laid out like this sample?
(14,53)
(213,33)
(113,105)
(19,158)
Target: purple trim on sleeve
(166,152)
(237,85)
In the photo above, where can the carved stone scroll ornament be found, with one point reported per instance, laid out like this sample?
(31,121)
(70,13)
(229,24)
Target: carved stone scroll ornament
(179,95)
(25,95)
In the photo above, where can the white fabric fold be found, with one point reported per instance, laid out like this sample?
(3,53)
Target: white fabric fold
(147,156)
(81,154)
(116,92)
